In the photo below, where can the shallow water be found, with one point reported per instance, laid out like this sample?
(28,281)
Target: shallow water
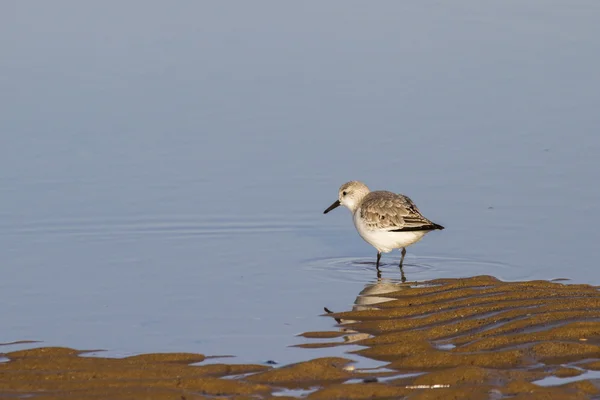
(164,171)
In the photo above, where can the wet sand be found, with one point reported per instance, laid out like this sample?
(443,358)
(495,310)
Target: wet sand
(474,338)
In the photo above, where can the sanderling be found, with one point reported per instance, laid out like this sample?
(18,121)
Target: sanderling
(383,219)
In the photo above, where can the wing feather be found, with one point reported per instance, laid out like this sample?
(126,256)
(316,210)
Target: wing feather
(393,212)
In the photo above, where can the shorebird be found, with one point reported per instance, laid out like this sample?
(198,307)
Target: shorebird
(383,219)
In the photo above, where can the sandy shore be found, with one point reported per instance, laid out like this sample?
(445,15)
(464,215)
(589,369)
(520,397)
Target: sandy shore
(475,338)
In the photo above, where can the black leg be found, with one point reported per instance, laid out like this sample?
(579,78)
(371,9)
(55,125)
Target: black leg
(401,261)
(378,270)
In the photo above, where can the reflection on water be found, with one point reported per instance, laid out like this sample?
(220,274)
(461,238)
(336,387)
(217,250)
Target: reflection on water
(367,299)
(374,293)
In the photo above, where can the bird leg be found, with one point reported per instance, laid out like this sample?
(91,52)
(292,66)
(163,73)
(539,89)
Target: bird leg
(403,254)
(377,265)
(401,261)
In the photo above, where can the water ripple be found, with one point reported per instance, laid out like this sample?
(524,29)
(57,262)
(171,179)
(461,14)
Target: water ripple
(416,268)
(169,226)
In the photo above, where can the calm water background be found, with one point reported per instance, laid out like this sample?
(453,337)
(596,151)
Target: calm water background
(164,165)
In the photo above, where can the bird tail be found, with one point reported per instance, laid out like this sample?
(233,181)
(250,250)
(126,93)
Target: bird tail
(437,226)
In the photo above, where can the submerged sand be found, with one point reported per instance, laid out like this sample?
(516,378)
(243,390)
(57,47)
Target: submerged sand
(474,338)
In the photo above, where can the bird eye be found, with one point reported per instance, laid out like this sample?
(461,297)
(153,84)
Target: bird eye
(343,193)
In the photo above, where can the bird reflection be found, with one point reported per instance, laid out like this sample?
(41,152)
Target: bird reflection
(402,275)
(368,299)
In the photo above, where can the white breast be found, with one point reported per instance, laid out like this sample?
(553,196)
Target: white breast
(385,241)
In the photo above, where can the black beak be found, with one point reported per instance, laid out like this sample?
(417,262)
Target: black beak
(331,207)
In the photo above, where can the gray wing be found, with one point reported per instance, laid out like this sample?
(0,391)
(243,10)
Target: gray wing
(393,212)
